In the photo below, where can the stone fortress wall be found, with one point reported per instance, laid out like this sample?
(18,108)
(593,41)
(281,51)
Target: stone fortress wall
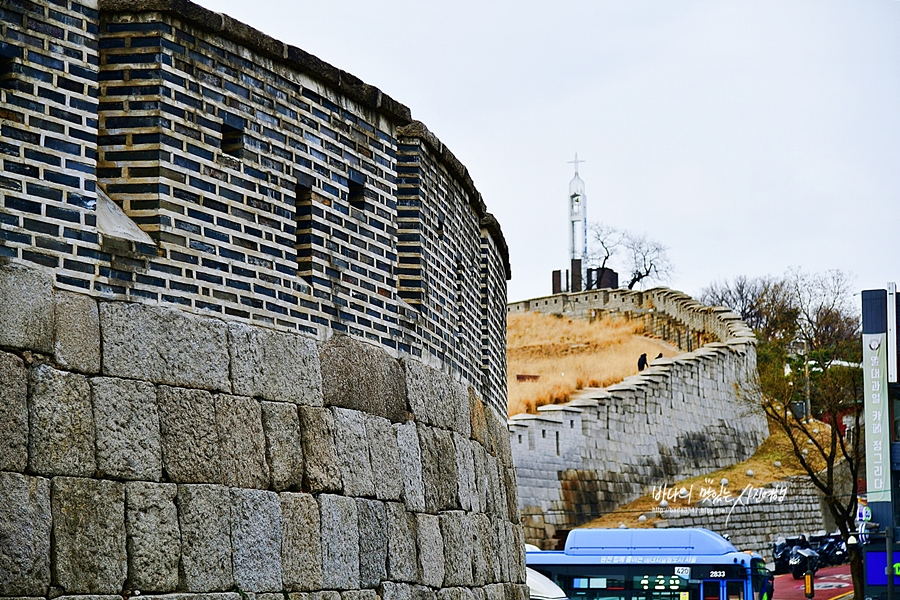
(679,418)
(274,187)
(148,449)
(252,323)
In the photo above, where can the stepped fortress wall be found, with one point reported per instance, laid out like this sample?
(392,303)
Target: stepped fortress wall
(679,418)
(252,324)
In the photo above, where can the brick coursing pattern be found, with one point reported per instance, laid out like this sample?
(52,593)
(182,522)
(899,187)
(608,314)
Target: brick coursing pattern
(276,188)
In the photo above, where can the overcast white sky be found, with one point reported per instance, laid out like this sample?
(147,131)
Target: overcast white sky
(747,136)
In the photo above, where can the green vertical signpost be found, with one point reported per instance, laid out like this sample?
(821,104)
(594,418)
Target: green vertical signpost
(878,426)
(878,434)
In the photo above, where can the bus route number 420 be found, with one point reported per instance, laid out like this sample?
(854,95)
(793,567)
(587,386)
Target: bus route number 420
(684,572)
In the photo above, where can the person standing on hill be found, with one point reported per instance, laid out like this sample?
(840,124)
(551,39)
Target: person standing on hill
(642,362)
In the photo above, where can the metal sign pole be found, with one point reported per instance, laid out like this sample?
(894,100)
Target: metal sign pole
(889,542)
(892,331)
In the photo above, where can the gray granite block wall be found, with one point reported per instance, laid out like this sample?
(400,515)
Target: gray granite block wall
(142,473)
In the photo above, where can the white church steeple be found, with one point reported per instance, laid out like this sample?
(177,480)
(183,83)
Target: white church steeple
(577,216)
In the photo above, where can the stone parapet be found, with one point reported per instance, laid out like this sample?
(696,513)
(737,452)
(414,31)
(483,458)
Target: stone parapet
(202,455)
(679,418)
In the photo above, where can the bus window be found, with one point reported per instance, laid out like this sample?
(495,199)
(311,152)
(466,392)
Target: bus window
(711,590)
(734,590)
(592,588)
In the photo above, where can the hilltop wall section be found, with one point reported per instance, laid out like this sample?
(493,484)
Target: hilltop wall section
(252,324)
(678,418)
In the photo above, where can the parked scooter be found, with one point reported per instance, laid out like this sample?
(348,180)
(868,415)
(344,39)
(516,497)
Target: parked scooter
(782,551)
(802,560)
(840,554)
(832,550)
(780,555)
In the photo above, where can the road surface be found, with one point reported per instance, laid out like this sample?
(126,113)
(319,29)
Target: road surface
(831,582)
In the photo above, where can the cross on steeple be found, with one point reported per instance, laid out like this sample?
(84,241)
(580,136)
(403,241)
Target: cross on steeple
(575,162)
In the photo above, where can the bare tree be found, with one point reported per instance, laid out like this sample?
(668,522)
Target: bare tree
(605,243)
(833,461)
(801,320)
(642,257)
(767,304)
(741,295)
(827,320)
(649,259)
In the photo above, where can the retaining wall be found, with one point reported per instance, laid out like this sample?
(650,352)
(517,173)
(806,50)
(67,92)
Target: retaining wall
(148,449)
(756,524)
(678,418)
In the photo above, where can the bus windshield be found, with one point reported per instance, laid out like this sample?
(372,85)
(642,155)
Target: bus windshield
(690,564)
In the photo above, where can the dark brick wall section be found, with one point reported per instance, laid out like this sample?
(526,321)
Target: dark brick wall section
(295,58)
(277,189)
(48,130)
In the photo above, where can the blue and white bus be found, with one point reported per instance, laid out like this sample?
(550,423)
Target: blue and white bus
(652,564)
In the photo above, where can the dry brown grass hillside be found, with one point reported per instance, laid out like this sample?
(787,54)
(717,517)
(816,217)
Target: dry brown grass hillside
(568,355)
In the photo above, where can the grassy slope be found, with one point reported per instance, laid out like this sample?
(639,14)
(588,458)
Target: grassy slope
(569,355)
